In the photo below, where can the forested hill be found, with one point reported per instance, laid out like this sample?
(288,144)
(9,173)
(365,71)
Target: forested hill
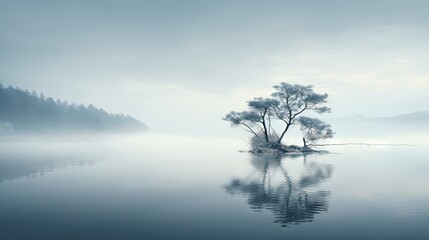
(25,112)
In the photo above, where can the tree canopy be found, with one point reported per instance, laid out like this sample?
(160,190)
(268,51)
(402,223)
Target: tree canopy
(286,104)
(25,112)
(314,129)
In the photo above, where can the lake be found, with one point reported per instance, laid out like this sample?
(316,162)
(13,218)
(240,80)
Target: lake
(159,186)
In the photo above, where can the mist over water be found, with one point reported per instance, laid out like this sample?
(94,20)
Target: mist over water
(122,120)
(161,186)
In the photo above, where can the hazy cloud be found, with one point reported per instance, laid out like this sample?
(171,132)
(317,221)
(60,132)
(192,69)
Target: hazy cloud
(102,52)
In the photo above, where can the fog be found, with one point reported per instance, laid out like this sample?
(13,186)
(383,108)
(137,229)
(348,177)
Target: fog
(111,119)
(180,66)
(190,187)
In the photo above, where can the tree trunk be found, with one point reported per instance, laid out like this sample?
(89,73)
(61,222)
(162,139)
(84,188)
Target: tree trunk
(283,134)
(265,130)
(305,143)
(265,125)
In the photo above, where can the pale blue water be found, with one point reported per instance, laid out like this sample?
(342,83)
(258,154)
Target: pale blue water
(168,187)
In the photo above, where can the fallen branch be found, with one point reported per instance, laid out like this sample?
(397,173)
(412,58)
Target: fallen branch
(366,144)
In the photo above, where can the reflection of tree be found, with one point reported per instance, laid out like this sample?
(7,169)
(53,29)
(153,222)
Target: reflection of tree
(18,166)
(291,202)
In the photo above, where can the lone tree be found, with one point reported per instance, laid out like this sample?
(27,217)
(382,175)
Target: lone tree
(314,129)
(256,121)
(294,100)
(285,104)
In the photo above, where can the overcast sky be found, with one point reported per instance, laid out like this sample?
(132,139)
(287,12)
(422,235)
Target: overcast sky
(181,65)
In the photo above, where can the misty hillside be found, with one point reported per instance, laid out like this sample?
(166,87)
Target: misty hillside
(408,118)
(363,126)
(421,117)
(25,112)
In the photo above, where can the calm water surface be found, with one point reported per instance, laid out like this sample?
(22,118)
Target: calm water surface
(167,187)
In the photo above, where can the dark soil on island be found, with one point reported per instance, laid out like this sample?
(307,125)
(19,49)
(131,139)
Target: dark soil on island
(276,149)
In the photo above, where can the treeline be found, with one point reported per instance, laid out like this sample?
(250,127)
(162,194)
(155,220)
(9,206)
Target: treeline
(25,112)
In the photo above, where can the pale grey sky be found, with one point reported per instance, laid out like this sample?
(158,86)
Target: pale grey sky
(180,65)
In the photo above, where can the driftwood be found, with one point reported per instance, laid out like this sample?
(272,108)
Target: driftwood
(367,144)
(275,149)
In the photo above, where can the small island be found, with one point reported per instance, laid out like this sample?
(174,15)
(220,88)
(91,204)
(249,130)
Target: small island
(285,106)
